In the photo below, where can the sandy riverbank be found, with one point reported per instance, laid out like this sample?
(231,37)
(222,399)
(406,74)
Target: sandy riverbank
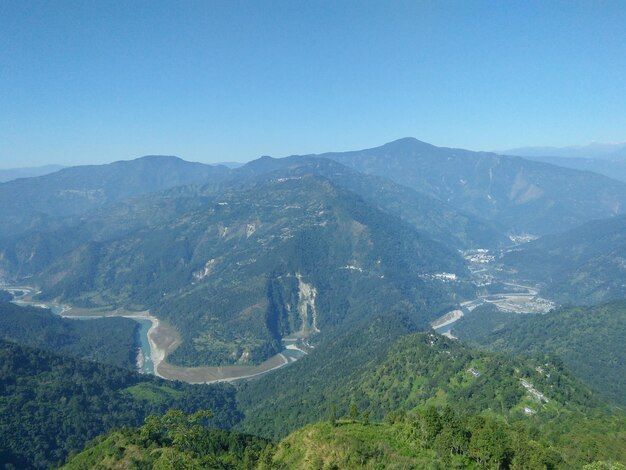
(447,319)
(163,340)
(158,350)
(215,374)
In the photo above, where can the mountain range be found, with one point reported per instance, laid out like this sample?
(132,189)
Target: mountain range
(516,195)
(292,255)
(238,259)
(596,150)
(35,203)
(348,256)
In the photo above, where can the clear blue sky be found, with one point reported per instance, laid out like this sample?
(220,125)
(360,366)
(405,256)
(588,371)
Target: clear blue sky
(98,81)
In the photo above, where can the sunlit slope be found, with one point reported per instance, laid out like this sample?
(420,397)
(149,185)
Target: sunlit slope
(590,340)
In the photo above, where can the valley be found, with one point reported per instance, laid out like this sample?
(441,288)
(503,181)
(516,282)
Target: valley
(158,339)
(281,236)
(496,288)
(286,289)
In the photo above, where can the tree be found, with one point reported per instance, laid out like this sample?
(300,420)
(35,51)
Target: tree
(489,445)
(354,412)
(332,418)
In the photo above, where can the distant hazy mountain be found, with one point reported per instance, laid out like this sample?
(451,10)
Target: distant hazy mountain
(613,168)
(594,150)
(28,172)
(516,194)
(31,202)
(583,265)
(231,165)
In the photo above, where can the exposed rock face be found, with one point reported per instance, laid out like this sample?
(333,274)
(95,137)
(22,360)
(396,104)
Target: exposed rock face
(306,307)
(208,267)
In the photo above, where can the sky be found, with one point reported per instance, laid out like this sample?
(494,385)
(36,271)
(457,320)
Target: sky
(90,81)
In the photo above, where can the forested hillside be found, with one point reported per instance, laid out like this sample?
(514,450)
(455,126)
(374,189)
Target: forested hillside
(51,405)
(107,340)
(585,265)
(396,373)
(438,219)
(294,255)
(590,340)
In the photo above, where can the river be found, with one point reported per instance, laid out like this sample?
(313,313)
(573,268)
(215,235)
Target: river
(145,364)
(153,343)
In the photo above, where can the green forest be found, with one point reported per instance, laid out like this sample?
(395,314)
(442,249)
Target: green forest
(51,405)
(589,340)
(107,340)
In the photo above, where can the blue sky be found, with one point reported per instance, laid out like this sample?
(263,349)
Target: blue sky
(98,81)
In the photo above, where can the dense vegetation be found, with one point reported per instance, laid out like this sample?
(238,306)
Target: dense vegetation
(381,370)
(433,438)
(174,441)
(107,340)
(440,400)
(289,255)
(590,340)
(426,438)
(287,399)
(51,405)
(586,265)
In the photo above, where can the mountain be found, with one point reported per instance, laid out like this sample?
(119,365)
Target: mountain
(106,340)
(51,405)
(583,265)
(36,202)
(613,168)
(431,439)
(27,172)
(518,195)
(595,150)
(444,405)
(590,340)
(427,214)
(288,256)
(382,368)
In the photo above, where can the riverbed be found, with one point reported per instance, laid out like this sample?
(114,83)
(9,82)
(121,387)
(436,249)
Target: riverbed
(156,340)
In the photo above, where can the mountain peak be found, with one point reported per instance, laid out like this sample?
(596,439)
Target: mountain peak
(154,159)
(407,142)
